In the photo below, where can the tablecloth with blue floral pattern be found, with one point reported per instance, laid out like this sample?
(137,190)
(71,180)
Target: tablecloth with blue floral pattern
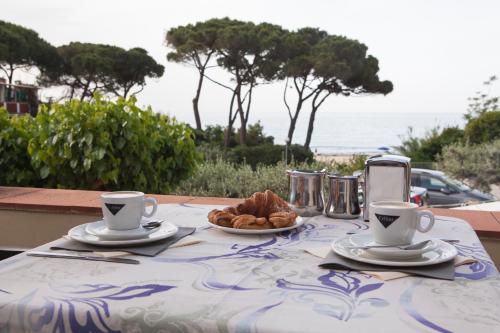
(242,283)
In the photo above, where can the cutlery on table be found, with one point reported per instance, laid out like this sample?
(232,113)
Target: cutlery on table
(152,224)
(74,256)
(416,246)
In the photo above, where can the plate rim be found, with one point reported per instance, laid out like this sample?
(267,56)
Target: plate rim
(115,237)
(298,222)
(396,263)
(409,253)
(108,242)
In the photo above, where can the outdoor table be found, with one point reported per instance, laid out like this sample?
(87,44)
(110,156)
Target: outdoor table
(246,283)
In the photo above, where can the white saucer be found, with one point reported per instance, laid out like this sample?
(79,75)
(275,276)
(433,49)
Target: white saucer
(80,234)
(100,229)
(441,253)
(298,222)
(391,253)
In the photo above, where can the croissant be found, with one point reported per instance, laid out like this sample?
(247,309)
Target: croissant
(220,217)
(251,222)
(263,210)
(282,219)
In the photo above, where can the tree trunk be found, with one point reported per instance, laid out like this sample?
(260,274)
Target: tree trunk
(11,75)
(300,101)
(243,129)
(126,90)
(229,129)
(293,120)
(196,100)
(85,91)
(314,108)
(310,128)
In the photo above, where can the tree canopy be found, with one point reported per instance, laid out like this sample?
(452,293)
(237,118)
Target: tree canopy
(318,65)
(129,69)
(321,65)
(195,45)
(252,55)
(21,47)
(87,68)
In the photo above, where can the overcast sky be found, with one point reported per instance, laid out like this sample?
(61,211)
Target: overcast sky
(436,53)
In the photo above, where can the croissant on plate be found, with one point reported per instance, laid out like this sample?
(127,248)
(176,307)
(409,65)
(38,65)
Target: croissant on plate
(263,210)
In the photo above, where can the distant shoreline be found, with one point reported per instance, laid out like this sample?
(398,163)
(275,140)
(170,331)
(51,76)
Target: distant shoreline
(337,158)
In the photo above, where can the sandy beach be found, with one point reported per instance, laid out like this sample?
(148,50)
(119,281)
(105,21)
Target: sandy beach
(338,158)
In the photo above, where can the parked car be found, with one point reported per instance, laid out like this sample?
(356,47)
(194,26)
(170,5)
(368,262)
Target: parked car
(446,191)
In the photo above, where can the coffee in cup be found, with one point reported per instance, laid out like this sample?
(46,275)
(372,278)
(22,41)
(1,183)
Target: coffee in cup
(123,210)
(395,222)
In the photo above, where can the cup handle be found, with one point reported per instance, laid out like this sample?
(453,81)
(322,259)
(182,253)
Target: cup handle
(422,213)
(153,211)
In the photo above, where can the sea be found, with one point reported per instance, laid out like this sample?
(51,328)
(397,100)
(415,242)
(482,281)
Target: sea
(339,133)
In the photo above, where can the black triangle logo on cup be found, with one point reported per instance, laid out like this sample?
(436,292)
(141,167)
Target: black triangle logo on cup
(114,208)
(386,220)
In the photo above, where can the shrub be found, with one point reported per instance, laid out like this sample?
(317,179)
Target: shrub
(15,165)
(428,148)
(268,154)
(113,146)
(479,164)
(221,178)
(356,163)
(213,135)
(483,128)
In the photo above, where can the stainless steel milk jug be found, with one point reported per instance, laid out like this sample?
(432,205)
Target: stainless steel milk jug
(343,202)
(305,192)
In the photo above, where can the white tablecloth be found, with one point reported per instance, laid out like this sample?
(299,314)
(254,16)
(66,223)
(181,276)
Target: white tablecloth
(233,283)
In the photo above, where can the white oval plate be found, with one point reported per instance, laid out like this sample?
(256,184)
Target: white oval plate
(298,222)
(390,252)
(443,252)
(101,230)
(80,234)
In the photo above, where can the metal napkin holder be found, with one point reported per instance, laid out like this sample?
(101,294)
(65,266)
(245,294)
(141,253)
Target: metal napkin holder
(387,178)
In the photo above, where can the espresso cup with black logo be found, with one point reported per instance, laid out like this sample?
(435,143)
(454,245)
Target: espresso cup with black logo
(395,222)
(123,210)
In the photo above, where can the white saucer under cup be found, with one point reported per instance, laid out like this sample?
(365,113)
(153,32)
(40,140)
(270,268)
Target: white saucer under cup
(123,210)
(440,252)
(80,234)
(395,222)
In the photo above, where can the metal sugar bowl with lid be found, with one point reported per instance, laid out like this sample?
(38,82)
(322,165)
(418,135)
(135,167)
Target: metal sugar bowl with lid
(305,192)
(387,178)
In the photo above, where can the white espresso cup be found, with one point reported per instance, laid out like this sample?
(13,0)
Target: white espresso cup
(395,222)
(123,210)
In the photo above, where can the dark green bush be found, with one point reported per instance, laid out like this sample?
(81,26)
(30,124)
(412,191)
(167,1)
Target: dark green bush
(268,154)
(111,146)
(483,128)
(214,136)
(15,164)
(428,148)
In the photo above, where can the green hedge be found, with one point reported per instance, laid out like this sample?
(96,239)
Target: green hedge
(103,145)
(268,154)
(15,163)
